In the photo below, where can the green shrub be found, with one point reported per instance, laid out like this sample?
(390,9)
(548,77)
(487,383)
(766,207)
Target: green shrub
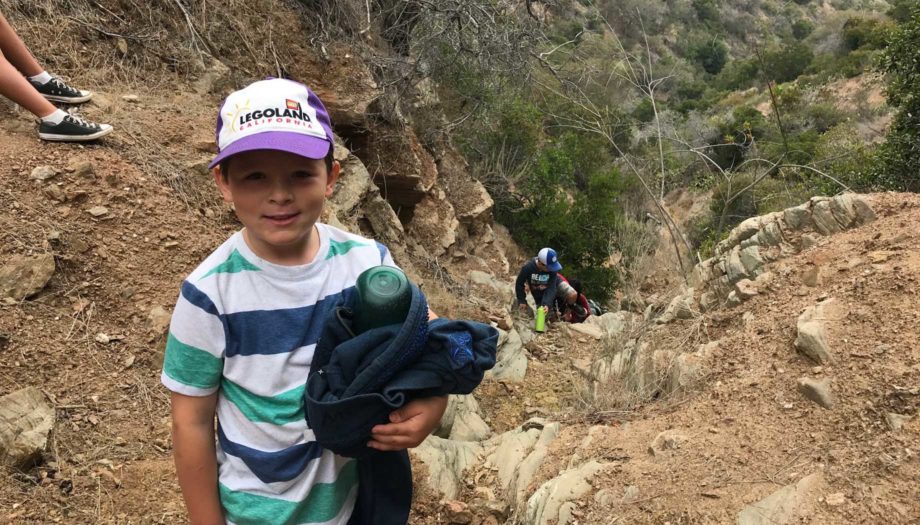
(711,55)
(859,33)
(899,156)
(801,28)
(786,63)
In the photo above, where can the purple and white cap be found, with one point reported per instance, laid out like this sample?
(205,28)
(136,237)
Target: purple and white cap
(276,114)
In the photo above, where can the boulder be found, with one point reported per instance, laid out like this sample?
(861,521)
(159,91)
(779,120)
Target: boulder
(667,440)
(751,259)
(520,483)
(487,279)
(159,318)
(896,421)
(612,323)
(681,307)
(446,461)
(469,426)
(25,275)
(746,289)
(352,187)
(26,420)
(457,405)
(735,269)
(798,218)
(511,448)
(434,223)
(546,504)
(43,173)
(511,359)
(786,505)
(812,276)
(817,391)
(823,216)
(590,330)
(812,334)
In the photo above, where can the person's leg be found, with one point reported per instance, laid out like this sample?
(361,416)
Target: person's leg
(17,88)
(19,56)
(16,51)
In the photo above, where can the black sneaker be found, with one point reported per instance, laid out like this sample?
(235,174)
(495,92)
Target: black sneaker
(73,129)
(58,91)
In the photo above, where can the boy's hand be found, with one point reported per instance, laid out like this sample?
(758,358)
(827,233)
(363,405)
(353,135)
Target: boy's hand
(409,425)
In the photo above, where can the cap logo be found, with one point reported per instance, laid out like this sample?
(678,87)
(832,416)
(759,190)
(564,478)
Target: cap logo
(293,105)
(232,116)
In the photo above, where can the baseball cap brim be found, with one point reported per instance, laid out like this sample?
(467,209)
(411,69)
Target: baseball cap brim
(298,144)
(554,267)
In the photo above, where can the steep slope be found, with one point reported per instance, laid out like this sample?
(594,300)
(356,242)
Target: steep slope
(730,417)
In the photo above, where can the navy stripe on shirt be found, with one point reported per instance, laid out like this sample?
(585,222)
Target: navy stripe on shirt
(272,467)
(266,332)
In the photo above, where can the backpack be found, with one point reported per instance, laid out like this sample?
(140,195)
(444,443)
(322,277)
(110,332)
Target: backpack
(596,309)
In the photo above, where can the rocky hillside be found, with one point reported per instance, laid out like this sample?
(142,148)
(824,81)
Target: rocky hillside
(782,387)
(793,398)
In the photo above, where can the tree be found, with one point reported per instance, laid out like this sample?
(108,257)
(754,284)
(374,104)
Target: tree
(711,55)
(900,154)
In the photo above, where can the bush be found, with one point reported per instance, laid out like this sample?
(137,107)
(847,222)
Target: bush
(859,33)
(739,74)
(900,154)
(785,64)
(711,55)
(551,210)
(801,28)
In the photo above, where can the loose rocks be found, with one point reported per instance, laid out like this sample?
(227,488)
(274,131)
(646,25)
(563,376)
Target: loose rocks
(25,276)
(817,391)
(26,420)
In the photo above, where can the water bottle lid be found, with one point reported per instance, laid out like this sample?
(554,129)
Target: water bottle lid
(383,297)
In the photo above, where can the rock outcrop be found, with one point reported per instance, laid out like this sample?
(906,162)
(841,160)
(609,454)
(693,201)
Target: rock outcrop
(731,275)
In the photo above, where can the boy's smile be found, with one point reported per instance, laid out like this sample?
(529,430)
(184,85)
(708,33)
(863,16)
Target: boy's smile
(278,196)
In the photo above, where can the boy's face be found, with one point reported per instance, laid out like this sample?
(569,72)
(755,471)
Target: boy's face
(278,196)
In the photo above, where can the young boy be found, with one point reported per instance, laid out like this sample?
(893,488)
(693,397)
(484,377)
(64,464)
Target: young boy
(248,318)
(539,274)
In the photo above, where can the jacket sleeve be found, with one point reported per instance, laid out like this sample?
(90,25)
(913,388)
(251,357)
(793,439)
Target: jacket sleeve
(549,295)
(519,284)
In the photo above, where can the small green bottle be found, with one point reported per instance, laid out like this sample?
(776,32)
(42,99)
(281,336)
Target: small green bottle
(540,323)
(384,296)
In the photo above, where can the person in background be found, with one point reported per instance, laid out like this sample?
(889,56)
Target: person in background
(572,304)
(37,88)
(539,274)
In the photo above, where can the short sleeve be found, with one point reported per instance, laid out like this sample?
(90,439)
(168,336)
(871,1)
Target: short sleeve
(386,258)
(193,364)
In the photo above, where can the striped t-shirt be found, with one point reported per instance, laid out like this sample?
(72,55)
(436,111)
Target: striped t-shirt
(247,328)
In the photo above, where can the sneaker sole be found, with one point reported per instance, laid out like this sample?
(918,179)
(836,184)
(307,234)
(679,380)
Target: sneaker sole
(68,100)
(74,138)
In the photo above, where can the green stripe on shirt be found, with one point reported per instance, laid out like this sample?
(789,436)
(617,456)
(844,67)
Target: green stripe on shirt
(323,503)
(341,248)
(281,409)
(234,264)
(191,366)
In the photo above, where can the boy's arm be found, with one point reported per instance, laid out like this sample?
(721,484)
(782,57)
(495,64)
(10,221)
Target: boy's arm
(519,284)
(196,458)
(409,425)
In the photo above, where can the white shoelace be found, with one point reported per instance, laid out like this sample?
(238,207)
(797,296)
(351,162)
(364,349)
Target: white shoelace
(82,122)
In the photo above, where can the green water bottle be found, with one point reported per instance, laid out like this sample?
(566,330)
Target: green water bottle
(540,325)
(384,296)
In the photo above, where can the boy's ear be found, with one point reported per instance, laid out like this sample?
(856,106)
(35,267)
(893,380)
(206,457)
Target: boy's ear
(332,178)
(222,185)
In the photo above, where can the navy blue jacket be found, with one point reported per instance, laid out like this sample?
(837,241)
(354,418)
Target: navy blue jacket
(356,381)
(542,284)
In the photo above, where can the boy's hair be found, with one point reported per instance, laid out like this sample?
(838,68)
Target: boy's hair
(328,159)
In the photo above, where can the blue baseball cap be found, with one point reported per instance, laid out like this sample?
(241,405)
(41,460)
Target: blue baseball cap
(547,256)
